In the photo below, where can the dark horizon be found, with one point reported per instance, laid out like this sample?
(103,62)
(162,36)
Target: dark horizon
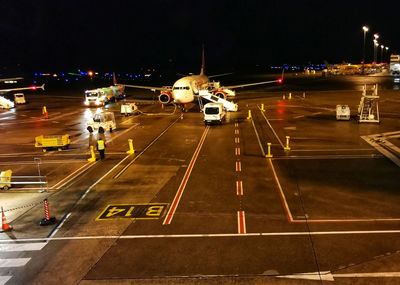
(123,36)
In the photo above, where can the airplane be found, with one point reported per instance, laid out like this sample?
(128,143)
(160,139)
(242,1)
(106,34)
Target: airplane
(34,87)
(11,79)
(186,89)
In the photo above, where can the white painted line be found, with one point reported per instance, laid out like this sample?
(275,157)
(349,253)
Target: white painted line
(60,225)
(282,195)
(182,186)
(4,279)
(260,234)
(346,220)
(22,246)
(143,151)
(272,129)
(328,276)
(13,262)
(368,275)
(65,180)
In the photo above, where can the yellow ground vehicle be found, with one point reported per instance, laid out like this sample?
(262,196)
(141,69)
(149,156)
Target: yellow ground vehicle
(50,142)
(5,179)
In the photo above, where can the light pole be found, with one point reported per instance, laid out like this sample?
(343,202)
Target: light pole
(387,52)
(376,37)
(382,48)
(365,29)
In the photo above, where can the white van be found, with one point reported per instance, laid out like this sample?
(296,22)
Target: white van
(19,98)
(214,113)
(106,120)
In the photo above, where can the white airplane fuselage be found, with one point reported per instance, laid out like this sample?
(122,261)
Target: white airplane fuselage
(185,88)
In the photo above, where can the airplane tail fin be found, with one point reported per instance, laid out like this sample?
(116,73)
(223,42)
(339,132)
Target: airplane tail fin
(203,62)
(114,79)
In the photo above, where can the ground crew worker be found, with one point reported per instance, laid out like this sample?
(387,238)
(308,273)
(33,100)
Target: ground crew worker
(92,140)
(101,142)
(101,147)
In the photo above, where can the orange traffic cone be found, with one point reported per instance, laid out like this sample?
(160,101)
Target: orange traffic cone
(5,226)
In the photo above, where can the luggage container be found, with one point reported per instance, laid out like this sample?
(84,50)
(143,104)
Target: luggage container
(128,109)
(59,142)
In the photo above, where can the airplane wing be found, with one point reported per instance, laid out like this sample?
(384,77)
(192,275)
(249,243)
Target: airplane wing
(11,79)
(152,88)
(219,75)
(253,84)
(22,88)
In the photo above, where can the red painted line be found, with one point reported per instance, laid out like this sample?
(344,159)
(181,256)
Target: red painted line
(239,188)
(238,166)
(241,222)
(179,193)
(237,151)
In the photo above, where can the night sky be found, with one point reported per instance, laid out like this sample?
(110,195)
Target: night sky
(126,35)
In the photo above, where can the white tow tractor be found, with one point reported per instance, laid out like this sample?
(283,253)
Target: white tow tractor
(342,112)
(106,120)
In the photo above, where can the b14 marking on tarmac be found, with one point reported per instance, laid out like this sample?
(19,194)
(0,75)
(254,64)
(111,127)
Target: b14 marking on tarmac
(133,211)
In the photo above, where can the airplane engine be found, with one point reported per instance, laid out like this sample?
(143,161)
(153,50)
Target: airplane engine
(165,97)
(220,94)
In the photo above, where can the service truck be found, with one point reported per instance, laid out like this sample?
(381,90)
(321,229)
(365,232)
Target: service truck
(214,113)
(101,96)
(395,64)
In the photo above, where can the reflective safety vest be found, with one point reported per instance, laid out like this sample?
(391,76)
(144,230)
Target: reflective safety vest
(100,145)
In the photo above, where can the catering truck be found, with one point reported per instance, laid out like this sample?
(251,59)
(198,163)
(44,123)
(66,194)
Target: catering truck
(395,64)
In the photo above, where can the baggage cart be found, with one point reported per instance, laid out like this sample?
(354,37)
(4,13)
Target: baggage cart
(59,142)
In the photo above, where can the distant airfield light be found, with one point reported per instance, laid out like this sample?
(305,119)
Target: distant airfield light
(376,36)
(365,29)
(90,73)
(280,80)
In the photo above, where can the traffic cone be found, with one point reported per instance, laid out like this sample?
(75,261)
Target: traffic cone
(47,220)
(5,226)
(45,113)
